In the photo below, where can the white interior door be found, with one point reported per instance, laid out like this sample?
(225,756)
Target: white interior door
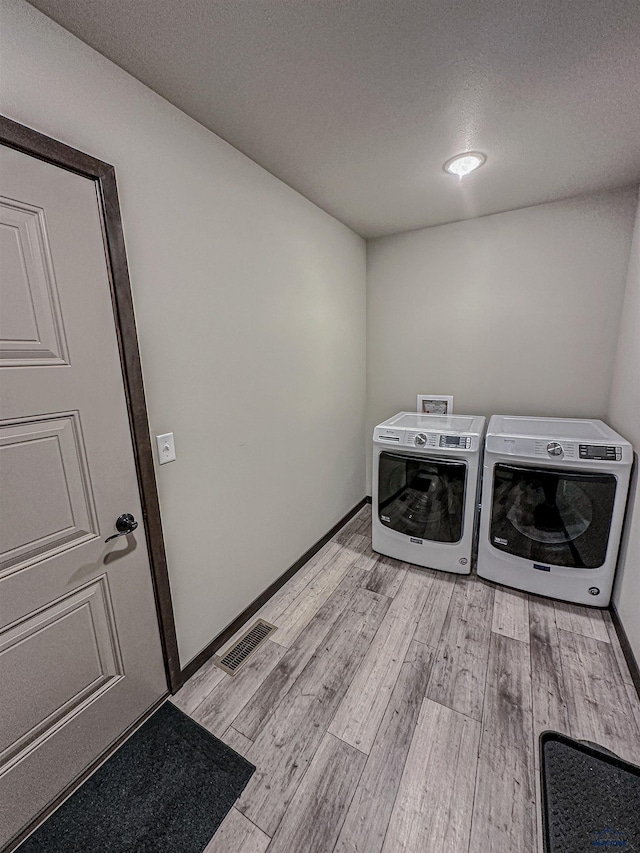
(80,652)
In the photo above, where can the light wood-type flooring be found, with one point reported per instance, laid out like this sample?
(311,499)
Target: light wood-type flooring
(399,709)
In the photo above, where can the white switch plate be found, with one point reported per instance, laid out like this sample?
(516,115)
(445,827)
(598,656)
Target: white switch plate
(166,448)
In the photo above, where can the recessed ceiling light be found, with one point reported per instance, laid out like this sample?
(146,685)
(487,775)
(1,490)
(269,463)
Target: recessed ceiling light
(463,164)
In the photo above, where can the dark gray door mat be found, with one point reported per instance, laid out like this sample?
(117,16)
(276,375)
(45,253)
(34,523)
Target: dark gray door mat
(166,790)
(590,797)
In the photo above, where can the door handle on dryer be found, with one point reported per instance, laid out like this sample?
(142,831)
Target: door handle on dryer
(125,524)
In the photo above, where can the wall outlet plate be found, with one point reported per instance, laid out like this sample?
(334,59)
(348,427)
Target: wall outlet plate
(166,448)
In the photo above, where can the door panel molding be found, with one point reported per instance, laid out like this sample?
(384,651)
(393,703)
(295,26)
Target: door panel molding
(29,141)
(51,447)
(85,612)
(33,331)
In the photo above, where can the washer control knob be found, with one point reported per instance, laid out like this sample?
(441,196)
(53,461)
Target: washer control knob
(420,439)
(554,449)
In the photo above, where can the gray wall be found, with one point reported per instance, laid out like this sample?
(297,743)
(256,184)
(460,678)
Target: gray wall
(624,415)
(516,313)
(250,304)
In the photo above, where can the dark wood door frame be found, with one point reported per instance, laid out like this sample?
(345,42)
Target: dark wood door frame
(32,142)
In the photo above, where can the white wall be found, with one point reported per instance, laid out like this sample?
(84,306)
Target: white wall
(516,313)
(250,304)
(624,415)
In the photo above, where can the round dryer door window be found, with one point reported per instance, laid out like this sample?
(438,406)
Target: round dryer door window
(554,519)
(551,516)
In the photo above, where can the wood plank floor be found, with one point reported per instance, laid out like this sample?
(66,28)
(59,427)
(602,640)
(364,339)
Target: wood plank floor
(399,709)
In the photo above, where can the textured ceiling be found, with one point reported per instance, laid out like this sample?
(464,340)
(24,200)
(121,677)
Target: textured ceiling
(358,103)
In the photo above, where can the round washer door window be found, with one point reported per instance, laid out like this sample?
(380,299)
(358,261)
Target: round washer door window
(422,497)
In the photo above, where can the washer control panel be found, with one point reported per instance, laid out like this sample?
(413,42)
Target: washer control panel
(421,439)
(461,442)
(427,440)
(600,451)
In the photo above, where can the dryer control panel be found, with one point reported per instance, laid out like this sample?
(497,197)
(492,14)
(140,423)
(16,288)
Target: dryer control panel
(559,451)
(597,451)
(574,442)
(549,448)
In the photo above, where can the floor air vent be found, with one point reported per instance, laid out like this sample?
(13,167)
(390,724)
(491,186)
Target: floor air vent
(242,649)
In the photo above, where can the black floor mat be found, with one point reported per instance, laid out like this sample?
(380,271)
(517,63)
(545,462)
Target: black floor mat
(166,790)
(590,797)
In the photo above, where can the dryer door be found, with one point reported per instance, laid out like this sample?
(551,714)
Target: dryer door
(422,497)
(550,516)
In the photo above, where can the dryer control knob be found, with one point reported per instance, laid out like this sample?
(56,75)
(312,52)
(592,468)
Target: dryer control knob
(420,439)
(554,449)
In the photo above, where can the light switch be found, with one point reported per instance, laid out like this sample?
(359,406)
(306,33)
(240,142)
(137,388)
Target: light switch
(166,448)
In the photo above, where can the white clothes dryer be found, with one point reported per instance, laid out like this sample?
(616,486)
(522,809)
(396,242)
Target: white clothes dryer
(553,502)
(426,489)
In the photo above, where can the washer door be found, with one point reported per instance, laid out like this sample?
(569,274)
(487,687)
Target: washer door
(550,516)
(422,497)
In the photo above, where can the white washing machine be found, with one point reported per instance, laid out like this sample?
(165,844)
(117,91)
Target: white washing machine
(553,500)
(426,489)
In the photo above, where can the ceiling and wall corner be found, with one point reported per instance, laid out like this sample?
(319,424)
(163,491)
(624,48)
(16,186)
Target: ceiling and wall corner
(249,299)
(516,313)
(357,105)
(624,415)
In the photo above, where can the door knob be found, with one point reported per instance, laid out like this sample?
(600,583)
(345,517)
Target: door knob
(125,524)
